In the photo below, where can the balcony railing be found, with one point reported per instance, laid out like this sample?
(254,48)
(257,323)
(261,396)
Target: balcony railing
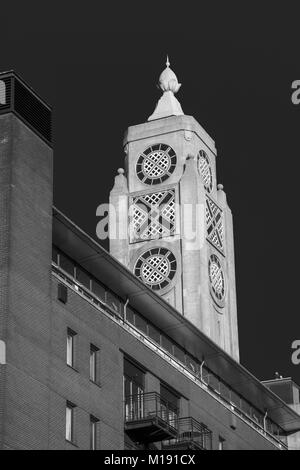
(149,418)
(190,435)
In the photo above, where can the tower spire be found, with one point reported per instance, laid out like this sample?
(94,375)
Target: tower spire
(168,105)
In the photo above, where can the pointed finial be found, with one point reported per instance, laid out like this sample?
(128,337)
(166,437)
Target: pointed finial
(168,80)
(168,105)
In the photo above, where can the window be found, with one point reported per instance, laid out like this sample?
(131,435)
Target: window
(169,405)
(98,290)
(167,344)
(134,379)
(154,333)
(94,353)
(71,347)
(55,255)
(179,354)
(140,323)
(130,315)
(83,278)
(70,409)
(113,302)
(221,445)
(66,264)
(93,432)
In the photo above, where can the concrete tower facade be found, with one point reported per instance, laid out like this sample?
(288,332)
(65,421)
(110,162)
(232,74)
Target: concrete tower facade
(170,222)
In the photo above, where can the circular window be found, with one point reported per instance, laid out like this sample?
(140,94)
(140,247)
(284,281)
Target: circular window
(156,267)
(217,278)
(156,164)
(205,170)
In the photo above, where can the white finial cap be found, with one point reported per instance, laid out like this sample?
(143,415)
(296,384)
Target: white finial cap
(168,105)
(168,80)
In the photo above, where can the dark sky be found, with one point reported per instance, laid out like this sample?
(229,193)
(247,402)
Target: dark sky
(99,69)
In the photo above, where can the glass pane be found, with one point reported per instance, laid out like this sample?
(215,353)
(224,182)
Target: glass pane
(257,416)
(54,254)
(93,365)
(179,354)
(98,290)
(154,333)
(130,315)
(246,407)
(133,373)
(235,399)
(169,399)
(83,277)
(66,264)
(140,323)
(214,382)
(93,431)
(113,302)
(167,344)
(69,422)
(192,364)
(70,339)
(225,391)
(127,387)
(205,375)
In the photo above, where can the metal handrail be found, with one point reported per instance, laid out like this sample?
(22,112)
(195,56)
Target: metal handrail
(189,430)
(149,405)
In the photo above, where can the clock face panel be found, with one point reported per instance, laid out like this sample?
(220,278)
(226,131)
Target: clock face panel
(217,279)
(156,268)
(204,168)
(156,164)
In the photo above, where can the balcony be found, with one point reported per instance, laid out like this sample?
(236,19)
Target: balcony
(149,418)
(191,435)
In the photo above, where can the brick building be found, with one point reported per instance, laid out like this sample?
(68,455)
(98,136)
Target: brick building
(90,356)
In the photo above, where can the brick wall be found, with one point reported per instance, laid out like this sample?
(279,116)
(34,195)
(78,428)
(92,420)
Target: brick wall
(25,318)
(106,403)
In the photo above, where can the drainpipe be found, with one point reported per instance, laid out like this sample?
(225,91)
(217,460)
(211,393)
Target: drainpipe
(265,421)
(201,368)
(125,307)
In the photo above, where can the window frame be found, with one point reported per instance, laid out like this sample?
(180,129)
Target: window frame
(221,443)
(94,363)
(69,422)
(93,432)
(70,352)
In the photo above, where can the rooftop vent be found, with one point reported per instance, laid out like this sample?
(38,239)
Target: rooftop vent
(20,99)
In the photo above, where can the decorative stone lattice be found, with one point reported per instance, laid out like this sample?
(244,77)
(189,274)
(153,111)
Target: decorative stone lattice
(204,168)
(217,278)
(153,215)
(156,164)
(214,224)
(156,268)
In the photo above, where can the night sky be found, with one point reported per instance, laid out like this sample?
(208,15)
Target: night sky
(99,69)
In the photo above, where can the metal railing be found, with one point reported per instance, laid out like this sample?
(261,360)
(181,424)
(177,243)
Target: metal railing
(150,405)
(190,433)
